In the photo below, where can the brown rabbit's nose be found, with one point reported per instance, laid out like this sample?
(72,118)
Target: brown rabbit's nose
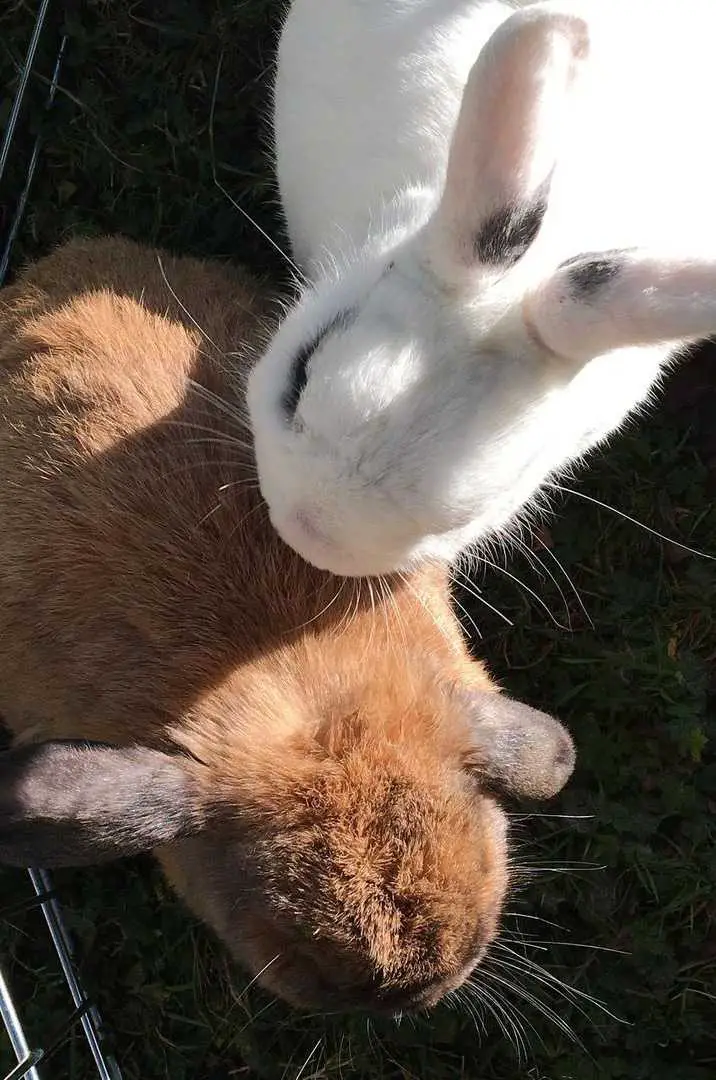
(423,995)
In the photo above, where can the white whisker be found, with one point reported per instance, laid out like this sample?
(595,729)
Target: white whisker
(531,592)
(258,974)
(525,966)
(471,588)
(633,521)
(535,1001)
(539,568)
(185,309)
(323,610)
(515,1034)
(262,232)
(227,408)
(567,578)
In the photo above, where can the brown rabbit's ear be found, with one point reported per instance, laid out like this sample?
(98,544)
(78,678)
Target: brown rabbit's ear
(518,750)
(72,804)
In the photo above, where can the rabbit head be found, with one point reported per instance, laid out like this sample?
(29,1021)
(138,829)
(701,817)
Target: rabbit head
(341,833)
(317,766)
(417,401)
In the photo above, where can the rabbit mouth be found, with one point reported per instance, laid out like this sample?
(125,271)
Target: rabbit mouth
(416,999)
(301,531)
(293,975)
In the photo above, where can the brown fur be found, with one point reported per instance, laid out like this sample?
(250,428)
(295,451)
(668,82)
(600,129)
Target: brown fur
(342,830)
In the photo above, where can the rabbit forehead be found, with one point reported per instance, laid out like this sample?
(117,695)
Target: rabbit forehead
(406,345)
(375,837)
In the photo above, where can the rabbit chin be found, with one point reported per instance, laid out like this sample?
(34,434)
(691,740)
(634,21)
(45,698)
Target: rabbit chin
(317,548)
(304,532)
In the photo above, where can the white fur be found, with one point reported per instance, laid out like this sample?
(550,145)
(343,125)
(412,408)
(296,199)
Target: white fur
(458,389)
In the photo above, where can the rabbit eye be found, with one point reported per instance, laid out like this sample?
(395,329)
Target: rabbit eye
(298,374)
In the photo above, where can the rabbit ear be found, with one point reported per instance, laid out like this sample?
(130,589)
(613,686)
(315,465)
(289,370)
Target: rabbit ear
(70,804)
(516,749)
(506,140)
(613,299)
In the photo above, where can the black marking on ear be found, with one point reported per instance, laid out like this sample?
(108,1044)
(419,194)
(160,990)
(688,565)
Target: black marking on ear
(588,274)
(298,375)
(508,232)
(592,270)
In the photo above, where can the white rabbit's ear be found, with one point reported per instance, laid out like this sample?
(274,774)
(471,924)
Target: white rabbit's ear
(507,139)
(607,300)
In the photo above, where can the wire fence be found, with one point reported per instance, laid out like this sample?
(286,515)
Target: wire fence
(34,1061)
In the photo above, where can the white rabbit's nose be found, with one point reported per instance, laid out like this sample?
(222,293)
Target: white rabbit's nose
(302,530)
(307,522)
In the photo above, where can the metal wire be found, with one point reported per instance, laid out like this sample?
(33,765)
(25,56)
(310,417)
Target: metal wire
(29,1058)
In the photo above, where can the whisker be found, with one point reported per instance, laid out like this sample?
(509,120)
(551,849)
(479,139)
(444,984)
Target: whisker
(539,568)
(185,309)
(210,514)
(536,971)
(531,592)
(190,466)
(473,1007)
(567,578)
(534,918)
(246,485)
(520,1014)
(386,601)
(208,440)
(486,999)
(323,610)
(499,1007)
(232,411)
(351,612)
(212,150)
(544,945)
(524,863)
(400,618)
(633,521)
(471,588)
(555,985)
(551,817)
(469,618)
(216,431)
(535,1001)
(408,584)
(371,635)
(258,974)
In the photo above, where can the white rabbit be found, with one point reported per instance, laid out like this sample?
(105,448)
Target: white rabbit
(507,217)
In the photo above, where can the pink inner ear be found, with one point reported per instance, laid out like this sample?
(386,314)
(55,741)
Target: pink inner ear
(523,100)
(513,115)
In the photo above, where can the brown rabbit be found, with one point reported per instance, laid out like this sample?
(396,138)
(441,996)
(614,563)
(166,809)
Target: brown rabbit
(314,761)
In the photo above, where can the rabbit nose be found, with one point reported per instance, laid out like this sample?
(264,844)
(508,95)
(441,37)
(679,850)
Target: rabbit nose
(427,994)
(301,529)
(307,522)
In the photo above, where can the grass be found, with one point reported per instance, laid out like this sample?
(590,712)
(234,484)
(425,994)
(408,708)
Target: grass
(141,130)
